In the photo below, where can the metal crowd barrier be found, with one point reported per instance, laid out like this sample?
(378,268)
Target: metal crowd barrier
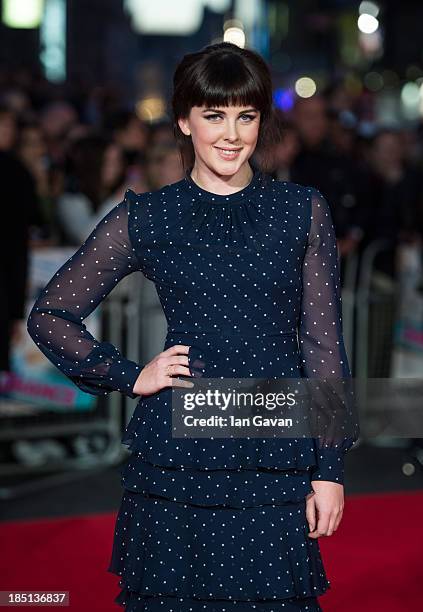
(106,419)
(378,305)
(373,325)
(350,272)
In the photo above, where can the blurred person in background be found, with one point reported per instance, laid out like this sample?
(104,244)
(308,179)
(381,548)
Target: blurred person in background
(413,152)
(101,100)
(31,149)
(75,133)
(10,162)
(161,133)
(320,162)
(132,136)
(95,181)
(339,96)
(163,166)
(8,128)
(130,133)
(342,132)
(418,144)
(57,119)
(21,200)
(17,100)
(311,118)
(395,195)
(393,189)
(284,152)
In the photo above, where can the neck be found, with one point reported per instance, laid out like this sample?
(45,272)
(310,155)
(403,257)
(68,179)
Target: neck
(220,183)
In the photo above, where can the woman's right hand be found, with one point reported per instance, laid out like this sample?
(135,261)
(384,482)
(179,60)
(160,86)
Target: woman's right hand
(159,372)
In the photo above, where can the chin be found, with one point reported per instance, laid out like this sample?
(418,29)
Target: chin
(228,168)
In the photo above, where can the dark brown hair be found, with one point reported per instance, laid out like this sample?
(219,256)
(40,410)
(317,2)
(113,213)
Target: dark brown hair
(224,74)
(84,165)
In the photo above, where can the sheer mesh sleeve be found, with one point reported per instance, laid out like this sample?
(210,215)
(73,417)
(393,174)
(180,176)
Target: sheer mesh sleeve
(323,355)
(56,320)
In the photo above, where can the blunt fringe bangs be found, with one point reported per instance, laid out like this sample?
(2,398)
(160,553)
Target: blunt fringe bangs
(223,75)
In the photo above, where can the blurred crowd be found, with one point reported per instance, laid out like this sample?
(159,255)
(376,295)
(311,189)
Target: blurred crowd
(66,159)
(72,169)
(68,154)
(371,174)
(71,156)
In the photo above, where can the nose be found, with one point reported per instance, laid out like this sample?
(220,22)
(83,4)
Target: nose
(231,131)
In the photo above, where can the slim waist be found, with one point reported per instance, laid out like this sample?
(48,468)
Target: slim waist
(236,335)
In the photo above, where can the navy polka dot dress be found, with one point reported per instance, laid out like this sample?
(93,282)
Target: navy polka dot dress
(250,282)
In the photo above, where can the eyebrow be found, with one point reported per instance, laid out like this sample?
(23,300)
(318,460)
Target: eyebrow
(248,110)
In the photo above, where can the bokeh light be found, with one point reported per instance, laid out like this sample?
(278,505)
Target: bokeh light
(22,13)
(151,108)
(367,23)
(283,99)
(305,87)
(235,36)
(410,94)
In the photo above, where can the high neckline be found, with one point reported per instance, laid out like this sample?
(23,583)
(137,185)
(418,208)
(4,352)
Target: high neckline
(216,198)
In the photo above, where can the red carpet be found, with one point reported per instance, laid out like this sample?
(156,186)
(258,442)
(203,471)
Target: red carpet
(374,561)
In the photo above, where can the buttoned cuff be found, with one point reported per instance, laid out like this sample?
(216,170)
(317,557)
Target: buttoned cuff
(124,373)
(330,465)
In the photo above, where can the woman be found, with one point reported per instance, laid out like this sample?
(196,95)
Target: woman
(240,261)
(95,184)
(163,165)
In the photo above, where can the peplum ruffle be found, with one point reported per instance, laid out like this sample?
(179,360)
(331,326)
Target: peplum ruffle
(149,434)
(149,431)
(238,488)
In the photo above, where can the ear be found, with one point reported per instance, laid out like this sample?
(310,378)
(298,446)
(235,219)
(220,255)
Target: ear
(183,124)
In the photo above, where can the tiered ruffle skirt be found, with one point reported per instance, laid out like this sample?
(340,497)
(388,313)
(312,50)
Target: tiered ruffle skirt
(192,540)
(213,525)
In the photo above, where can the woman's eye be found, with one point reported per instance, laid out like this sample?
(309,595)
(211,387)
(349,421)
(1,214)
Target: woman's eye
(246,118)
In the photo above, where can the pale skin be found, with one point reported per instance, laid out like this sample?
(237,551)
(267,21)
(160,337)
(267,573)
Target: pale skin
(211,130)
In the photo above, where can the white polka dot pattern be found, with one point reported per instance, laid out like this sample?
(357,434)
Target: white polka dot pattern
(250,282)
(56,319)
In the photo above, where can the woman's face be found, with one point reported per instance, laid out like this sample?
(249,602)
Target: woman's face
(223,137)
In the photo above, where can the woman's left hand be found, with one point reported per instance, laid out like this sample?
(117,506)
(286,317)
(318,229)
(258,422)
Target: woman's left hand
(324,508)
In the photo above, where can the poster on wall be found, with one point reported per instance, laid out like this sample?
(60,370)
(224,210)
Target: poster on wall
(407,361)
(33,379)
